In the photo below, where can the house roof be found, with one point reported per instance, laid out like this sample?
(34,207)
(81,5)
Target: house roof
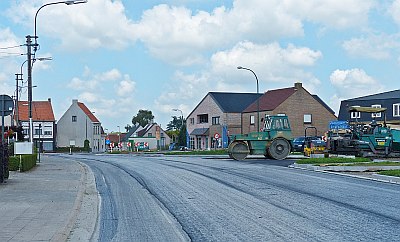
(271,99)
(88,113)
(132,130)
(41,111)
(384,95)
(145,129)
(233,102)
(114,137)
(323,103)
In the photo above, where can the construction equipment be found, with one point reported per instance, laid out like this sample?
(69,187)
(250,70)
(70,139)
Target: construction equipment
(313,144)
(274,141)
(366,140)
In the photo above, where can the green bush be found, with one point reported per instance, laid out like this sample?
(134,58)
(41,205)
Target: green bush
(13,164)
(27,162)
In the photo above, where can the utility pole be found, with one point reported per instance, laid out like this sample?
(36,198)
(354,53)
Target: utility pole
(29,55)
(18,77)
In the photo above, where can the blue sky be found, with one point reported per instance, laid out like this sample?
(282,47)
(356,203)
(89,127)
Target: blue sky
(121,56)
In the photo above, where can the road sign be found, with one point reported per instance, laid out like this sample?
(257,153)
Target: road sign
(6,105)
(216,136)
(108,141)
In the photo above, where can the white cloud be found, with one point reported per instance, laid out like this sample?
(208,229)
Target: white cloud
(377,47)
(270,62)
(354,83)
(95,24)
(125,87)
(394,11)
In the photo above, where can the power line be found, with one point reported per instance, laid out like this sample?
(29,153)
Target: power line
(10,47)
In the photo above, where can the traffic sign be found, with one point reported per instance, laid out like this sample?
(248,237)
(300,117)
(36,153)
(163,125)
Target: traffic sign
(6,105)
(108,141)
(216,136)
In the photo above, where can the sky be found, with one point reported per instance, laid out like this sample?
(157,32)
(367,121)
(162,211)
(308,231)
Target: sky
(121,56)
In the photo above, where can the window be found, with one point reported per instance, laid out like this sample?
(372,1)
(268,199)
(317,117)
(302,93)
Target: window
(215,120)
(376,115)
(252,120)
(396,110)
(38,131)
(355,114)
(202,118)
(191,143)
(48,133)
(307,118)
(73,118)
(191,120)
(150,135)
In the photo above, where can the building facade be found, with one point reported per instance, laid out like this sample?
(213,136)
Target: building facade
(389,100)
(43,121)
(78,124)
(216,117)
(302,108)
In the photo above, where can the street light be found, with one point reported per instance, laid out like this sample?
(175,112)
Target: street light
(258,101)
(176,110)
(18,77)
(29,59)
(119,137)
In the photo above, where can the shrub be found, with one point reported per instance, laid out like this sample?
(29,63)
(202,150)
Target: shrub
(27,162)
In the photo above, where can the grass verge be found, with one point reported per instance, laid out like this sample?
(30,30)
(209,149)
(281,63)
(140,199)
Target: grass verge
(333,160)
(390,173)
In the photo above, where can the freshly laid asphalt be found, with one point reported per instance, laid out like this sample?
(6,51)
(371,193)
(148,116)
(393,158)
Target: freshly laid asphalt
(58,201)
(55,201)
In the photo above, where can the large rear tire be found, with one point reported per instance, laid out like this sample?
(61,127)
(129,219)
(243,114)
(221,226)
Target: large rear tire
(279,149)
(239,150)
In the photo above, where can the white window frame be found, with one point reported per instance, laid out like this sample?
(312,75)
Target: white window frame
(355,114)
(396,110)
(376,115)
(252,120)
(307,118)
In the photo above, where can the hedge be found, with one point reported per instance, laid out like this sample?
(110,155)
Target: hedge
(27,162)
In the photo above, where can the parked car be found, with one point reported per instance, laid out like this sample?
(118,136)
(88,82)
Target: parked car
(298,143)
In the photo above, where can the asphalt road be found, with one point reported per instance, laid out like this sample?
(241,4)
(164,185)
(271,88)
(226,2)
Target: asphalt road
(165,198)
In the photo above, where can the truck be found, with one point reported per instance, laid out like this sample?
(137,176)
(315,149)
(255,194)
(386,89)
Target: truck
(273,141)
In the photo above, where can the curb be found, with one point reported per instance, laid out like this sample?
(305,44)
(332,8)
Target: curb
(338,170)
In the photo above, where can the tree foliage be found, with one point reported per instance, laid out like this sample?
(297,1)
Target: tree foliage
(143,117)
(175,123)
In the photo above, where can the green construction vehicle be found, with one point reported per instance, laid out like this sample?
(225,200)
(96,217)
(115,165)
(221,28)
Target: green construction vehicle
(274,141)
(366,140)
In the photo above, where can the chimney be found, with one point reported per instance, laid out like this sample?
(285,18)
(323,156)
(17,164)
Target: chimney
(298,85)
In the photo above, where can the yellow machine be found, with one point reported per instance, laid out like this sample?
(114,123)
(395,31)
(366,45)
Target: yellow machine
(313,144)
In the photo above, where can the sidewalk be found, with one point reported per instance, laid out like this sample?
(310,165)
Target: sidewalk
(55,201)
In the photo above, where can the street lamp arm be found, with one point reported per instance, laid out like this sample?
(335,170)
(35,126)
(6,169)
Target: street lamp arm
(53,3)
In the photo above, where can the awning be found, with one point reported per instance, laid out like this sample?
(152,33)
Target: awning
(200,132)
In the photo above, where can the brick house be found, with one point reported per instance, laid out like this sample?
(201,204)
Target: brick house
(389,100)
(78,124)
(43,121)
(216,116)
(302,108)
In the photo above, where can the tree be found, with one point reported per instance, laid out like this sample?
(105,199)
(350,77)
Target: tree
(175,123)
(143,118)
(182,135)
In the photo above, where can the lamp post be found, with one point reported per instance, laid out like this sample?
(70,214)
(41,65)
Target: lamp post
(119,137)
(29,59)
(40,145)
(258,101)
